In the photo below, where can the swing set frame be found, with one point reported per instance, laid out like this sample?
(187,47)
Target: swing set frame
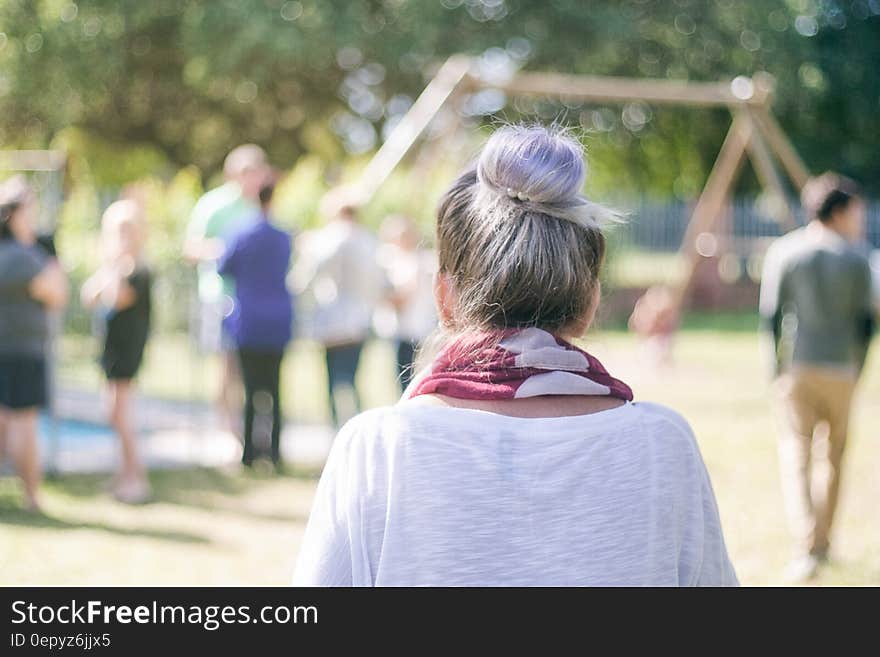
(754,133)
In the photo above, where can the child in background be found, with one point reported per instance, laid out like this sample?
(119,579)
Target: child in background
(121,289)
(655,320)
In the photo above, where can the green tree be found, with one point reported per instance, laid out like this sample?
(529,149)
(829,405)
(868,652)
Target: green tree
(194,78)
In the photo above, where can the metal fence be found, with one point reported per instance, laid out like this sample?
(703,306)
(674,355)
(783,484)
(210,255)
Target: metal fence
(656,226)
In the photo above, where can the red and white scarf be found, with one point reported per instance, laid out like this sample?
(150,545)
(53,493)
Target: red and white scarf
(513,364)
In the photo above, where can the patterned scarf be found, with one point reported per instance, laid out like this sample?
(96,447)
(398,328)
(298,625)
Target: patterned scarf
(513,364)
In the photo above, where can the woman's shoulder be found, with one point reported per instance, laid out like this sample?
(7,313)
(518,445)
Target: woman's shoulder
(371,421)
(663,420)
(366,431)
(662,415)
(670,433)
(386,426)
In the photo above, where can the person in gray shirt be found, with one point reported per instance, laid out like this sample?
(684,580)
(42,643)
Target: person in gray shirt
(816,305)
(31,284)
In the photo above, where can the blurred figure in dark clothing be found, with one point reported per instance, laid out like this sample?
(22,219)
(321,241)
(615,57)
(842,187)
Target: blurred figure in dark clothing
(257,260)
(817,305)
(32,284)
(121,288)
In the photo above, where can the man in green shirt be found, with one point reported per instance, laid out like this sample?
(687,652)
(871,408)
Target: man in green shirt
(218,216)
(817,305)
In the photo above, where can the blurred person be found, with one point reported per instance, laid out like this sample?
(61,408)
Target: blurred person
(338,270)
(120,288)
(514,458)
(257,260)
(32,284)
(218,216)
(655,320)
(409,315)
(816,304)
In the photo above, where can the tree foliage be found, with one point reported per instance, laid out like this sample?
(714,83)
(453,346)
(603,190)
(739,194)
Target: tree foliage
(190,79)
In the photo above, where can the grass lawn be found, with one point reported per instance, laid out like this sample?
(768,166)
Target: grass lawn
(638,268)
(172,370)
(222,527)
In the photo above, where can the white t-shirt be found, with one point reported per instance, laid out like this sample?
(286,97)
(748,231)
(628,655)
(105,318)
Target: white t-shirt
(428,495)
(337,271)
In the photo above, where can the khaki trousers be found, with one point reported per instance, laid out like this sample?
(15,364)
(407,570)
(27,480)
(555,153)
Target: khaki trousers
(814,406)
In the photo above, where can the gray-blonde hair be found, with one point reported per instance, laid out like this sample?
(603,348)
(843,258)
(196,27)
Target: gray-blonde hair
(519,243)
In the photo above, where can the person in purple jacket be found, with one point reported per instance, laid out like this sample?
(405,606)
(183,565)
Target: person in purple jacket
(257,261)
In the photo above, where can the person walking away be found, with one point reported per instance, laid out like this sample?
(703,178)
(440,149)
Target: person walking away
(120,288)
(515,458)
(257,261)
(337,270)
(817,307)
(215,220)
(408,317)
(32,285)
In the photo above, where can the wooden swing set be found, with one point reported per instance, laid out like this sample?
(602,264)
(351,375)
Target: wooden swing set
(754,132)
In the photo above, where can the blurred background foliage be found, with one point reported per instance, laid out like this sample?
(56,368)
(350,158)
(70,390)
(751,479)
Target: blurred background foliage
(160,91)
